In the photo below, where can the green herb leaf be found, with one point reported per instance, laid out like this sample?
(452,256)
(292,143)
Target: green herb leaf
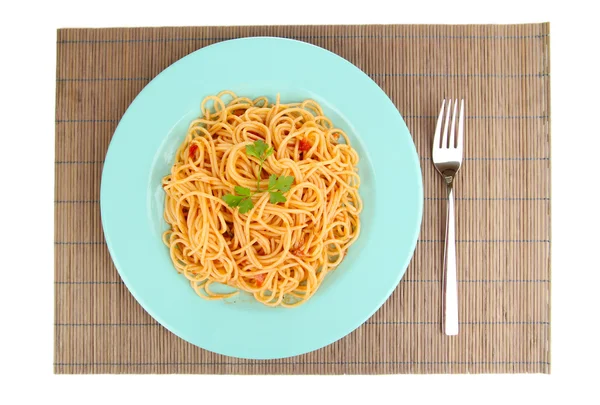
(283,183)
(276,197)
(246,205)
(251,151)
(272,181)
(269,152)
(243,191)
(232,200)
(261,147)
(257,149)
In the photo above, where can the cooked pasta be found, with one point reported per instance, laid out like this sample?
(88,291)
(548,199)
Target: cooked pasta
(262,197)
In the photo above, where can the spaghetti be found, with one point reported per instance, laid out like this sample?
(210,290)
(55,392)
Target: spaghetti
(279,252)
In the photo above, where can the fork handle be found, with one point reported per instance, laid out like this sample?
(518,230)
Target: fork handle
(450,288)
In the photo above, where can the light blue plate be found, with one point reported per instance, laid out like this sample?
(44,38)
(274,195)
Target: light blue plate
(141,153)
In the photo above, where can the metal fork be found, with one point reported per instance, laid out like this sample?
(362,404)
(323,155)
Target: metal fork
(447,157)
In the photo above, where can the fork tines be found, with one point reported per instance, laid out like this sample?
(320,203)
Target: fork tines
(452,139)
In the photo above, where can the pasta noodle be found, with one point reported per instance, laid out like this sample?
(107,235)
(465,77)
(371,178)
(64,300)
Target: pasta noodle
(279,252)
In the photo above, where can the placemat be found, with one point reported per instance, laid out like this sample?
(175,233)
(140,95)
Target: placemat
(503,201)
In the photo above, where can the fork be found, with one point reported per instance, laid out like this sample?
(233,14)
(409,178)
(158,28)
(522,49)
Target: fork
(447,156)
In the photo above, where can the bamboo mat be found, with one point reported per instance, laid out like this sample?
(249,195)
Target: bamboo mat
(503,202)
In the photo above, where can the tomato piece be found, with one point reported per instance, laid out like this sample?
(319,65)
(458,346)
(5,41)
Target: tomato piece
(304,145)
(260,279)
(193,150)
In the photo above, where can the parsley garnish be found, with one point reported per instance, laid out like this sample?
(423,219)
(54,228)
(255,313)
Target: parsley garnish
(277,185)
(261,151)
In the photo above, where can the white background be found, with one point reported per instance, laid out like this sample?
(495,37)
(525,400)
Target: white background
(27,94)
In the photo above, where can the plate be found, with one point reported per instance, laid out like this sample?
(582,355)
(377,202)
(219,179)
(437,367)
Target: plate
(142,151)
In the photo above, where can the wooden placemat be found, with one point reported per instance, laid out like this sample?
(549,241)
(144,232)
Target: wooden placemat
(503,201)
